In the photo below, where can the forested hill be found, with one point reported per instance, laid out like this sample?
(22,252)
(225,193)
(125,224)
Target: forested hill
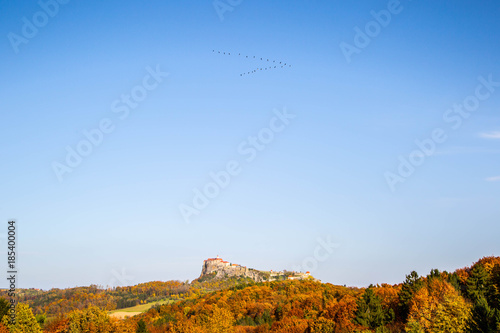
(56,302)
(467,300)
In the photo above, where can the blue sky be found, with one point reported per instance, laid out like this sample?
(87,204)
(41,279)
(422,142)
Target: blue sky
(115,218)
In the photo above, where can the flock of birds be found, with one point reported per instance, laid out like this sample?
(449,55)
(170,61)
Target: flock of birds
(274,63)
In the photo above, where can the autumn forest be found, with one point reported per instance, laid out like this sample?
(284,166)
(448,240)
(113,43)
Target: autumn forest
(466,300)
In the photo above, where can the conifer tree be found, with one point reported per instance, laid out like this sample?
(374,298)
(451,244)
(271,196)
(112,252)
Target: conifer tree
(369,312)
(411,285)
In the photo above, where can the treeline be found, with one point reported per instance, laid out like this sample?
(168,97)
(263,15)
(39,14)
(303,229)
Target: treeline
(56,302)
(89,320)
(467,300)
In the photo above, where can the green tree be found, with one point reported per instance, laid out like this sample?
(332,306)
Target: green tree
(25,321)
(493,294)
(434,274)
(477,284)
(483,290)
(369,312)
(482,319)
(454,280)
(141,327)
(41,318)
(4,307)
(411,285)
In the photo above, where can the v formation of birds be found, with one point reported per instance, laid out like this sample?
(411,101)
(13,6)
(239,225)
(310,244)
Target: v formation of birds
(275,64)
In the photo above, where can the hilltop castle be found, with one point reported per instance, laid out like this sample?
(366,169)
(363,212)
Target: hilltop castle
(218,268)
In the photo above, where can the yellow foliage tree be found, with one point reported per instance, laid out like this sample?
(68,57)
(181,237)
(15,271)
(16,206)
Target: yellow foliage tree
(123,326)
(451,315)
(25,321)
(438,308)
(221,321)
(90,320)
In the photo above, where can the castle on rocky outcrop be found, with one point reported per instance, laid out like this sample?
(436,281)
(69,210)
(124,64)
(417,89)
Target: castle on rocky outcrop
(217,268)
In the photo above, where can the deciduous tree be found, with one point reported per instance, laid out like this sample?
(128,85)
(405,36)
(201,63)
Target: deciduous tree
(90,320)
(437,307)
(25,321)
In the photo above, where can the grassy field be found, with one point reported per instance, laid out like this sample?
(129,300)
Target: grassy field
(142,307)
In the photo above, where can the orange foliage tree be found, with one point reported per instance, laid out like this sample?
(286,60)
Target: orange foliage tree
(437,307)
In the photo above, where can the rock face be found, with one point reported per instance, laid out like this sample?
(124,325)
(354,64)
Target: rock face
(219,269)
(223,269)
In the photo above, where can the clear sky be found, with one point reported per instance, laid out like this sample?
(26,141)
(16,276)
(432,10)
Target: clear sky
(353,97)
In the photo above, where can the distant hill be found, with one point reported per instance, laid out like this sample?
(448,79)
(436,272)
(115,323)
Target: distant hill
(56,302)
(216,274)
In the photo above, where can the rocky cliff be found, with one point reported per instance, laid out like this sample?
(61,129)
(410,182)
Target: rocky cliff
(216,268)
